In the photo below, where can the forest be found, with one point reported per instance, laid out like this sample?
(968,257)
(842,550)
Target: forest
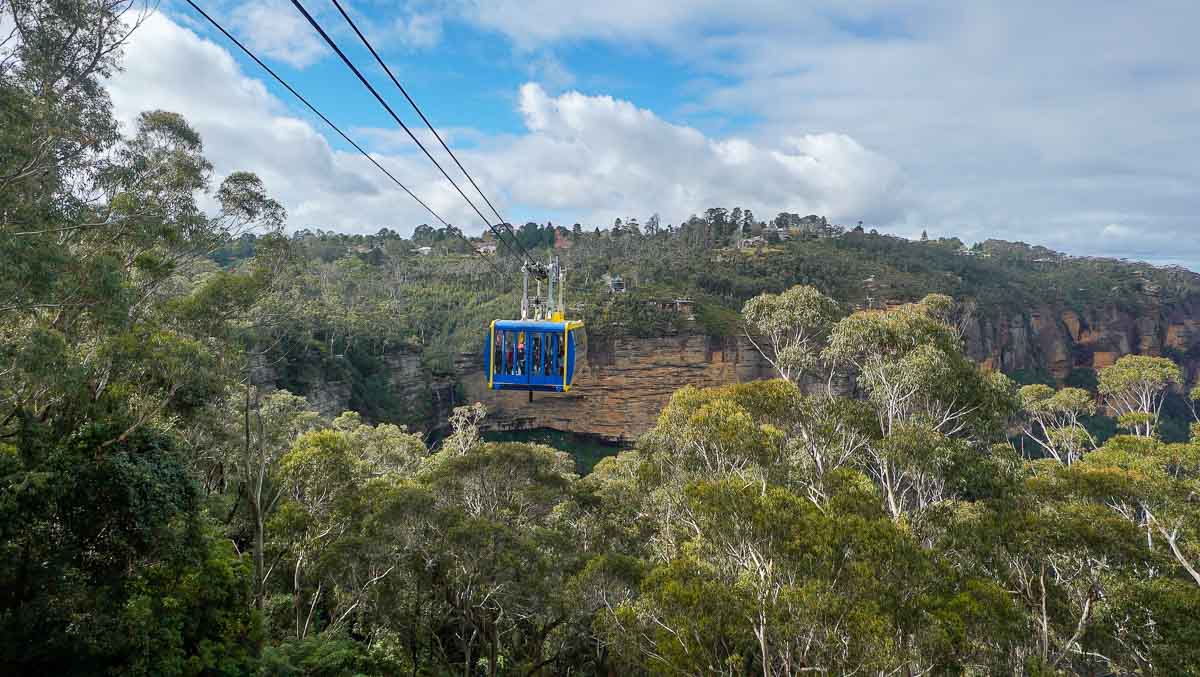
(368,297)
(171,505)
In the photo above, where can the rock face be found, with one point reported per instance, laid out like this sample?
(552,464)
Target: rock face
(621,384)
(430,399)
(1061,340)
(427,400)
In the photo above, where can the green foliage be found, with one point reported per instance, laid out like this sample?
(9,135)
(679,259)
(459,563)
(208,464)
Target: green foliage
(1135,387)
(165,509)
(117,337)
(110,565)
(714,319)
(586,450)
(316,657)
(910,362)
(1025,377)
(631,314)
(792,328)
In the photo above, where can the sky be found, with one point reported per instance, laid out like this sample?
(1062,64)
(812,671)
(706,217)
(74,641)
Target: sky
(1070,124)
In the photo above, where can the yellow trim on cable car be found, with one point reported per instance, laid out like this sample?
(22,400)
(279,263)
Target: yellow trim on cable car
(567,328)
(492,357)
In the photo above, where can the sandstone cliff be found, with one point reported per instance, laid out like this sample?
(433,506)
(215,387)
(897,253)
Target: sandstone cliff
(621,384)
(1061,340)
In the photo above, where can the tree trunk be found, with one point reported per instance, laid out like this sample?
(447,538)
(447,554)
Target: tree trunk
(761,631)
(492,650)
(413,644)
(470,641)
(259,565)
(296,601)
(253,499)
(1180,557)
(1045,623)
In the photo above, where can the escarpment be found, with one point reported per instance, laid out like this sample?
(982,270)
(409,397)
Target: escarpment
(1060,341)
(622,383)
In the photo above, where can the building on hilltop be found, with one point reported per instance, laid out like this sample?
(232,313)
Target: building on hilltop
(684,307)
(774,232)
(615,284)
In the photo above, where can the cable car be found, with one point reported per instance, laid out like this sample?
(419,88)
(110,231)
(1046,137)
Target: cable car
(537,352)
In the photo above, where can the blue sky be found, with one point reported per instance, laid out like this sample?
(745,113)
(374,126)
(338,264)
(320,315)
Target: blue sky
(1071,124)
(470,77)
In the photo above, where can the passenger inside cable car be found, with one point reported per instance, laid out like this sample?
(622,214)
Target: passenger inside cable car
(536,355)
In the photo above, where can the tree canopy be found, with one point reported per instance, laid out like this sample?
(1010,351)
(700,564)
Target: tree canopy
(172,504)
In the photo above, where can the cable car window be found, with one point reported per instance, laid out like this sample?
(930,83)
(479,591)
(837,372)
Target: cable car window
(562,357)
(510,353)
(507,343)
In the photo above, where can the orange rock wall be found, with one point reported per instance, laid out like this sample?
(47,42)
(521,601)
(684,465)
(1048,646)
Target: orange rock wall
(1060,340)
(621,385)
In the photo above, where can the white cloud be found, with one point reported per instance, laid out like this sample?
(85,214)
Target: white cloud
(608,158)
(243,126)
(1040,123)
(1024,120)
(588,157)
(549,71)
(418,30)
(276,29)
(7,28)
(1116,231)
(393,140)
(531,23)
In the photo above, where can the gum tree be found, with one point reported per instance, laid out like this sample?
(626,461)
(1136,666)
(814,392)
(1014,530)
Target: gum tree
(1135,388)
(1052,420)
(790,329)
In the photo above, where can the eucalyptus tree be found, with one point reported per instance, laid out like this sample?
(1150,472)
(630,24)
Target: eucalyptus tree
(320,478)
(114,334)
(705,434)
(267,427)
(464,426)
(503,556)
(1153,485)
(1052,419)
(913,369)
(790,329)
(1193,399)
(1059,559)
(1135,388)
(931,402)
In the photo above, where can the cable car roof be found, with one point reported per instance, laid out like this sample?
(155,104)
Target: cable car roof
(537,325)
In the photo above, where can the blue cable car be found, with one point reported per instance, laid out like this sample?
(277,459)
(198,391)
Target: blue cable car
(534,354)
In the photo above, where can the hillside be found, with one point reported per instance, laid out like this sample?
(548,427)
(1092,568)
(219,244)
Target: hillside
(381,328)
(205,467)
